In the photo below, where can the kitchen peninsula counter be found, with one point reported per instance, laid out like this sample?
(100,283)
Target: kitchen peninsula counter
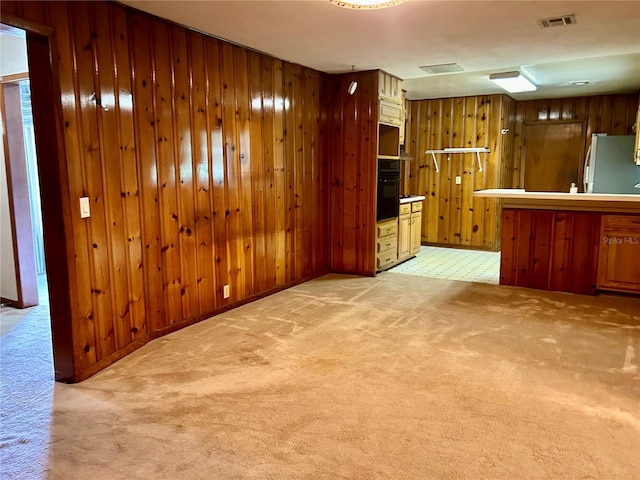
(578,243)
(593,202)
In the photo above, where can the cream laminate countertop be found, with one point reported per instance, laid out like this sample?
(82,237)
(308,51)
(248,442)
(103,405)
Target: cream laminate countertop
(411,199)
(596,202)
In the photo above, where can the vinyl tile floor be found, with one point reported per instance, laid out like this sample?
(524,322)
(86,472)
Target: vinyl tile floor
(453,264)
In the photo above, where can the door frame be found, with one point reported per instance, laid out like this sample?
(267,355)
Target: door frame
(18,192)
(54,190)
(523,153)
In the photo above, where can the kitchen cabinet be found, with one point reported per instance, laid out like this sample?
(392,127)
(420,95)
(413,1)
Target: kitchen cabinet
(404,232)
(389,87)
(416,227)
(619,255)
(390,112)
(409,229)
(387,243)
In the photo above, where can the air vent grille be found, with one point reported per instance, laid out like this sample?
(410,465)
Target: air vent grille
(442,68)
(562,21)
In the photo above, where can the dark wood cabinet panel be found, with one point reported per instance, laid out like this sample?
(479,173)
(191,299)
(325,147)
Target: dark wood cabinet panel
(619,260)
(550,250)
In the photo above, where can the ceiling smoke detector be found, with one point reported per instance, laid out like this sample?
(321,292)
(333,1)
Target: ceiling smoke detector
(442,68)
(562,21)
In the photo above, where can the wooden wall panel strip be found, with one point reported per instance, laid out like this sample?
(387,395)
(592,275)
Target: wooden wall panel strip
(93,168)
(243,159)
(109,144)
(164,104)
(218,167)
(130,191)
(289,170)
(181,93)
(264,85)
(143,80)
(279,172)
(258,173)
(202,176)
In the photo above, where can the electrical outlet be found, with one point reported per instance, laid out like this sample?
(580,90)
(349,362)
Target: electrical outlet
(458,180)
(225,291)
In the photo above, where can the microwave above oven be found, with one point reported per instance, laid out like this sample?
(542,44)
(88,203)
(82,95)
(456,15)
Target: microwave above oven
(388,141)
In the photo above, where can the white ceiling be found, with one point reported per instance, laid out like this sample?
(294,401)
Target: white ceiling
(483,37)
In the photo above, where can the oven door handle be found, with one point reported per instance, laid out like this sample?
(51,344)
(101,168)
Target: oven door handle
(386,180)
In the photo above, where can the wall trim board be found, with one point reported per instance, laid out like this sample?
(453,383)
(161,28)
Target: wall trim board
(14,77)
(25,24)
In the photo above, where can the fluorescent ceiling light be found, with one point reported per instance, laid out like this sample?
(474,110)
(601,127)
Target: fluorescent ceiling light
(513,82)
(366,4)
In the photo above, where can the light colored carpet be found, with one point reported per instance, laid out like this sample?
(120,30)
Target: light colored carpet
(393,377)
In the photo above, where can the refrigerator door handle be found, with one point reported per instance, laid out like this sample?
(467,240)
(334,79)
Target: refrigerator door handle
(587,166)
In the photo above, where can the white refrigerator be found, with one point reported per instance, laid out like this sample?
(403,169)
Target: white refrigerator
(610,167)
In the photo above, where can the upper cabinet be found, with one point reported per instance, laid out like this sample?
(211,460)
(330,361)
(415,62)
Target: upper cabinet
(389,87)
(391,112)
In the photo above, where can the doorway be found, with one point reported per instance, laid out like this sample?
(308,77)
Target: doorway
(49,145)
(553,156)
(23,266)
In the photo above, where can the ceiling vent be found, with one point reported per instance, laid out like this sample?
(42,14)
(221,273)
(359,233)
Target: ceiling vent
(557,21)
(442,68)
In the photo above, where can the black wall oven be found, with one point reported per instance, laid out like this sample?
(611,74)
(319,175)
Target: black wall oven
(388,205)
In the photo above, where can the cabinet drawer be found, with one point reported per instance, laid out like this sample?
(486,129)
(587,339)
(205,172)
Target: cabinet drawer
(405,208)
(416,207)
(387,243)
(625,222)
(387,258)
(385,229)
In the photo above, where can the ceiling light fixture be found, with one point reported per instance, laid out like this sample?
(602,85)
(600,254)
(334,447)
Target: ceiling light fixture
(513,82)
(366,4)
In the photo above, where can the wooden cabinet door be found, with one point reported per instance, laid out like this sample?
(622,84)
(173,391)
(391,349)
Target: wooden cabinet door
(404,236)
(619,256)
(416,229)
(553,156)
(390,113)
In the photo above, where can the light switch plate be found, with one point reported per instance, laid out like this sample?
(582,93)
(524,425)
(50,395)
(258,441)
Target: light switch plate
(85,209)
(458,179)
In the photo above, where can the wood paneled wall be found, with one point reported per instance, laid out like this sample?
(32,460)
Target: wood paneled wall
(612,114)
(351,138)
(451,214)
(204,167)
